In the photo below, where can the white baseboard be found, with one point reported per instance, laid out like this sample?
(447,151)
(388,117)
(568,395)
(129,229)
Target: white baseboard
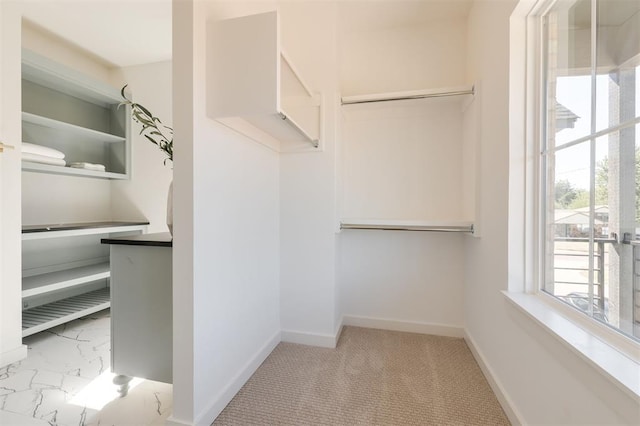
(512,414)
(408,326)
(223,398)
(312,339)
(13,355)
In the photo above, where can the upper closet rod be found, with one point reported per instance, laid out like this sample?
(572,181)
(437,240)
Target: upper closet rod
(402,96)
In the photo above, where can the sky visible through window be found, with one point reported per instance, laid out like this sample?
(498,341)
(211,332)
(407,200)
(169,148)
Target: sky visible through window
(573,92)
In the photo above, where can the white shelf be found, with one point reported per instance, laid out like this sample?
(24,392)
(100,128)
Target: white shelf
(52,314)
(83,132)
(28,166)
(460,92)
(45,283)
(407,225)
(45,72)
(269,102)
(72,230)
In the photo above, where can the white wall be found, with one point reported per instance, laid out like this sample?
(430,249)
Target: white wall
(544,381)
(50,199)
(403,160)
(11,348)
(50,45)
(307,193)
(226,238)
(183,228)
(398,279)
(403,58)
(144,196)
(404,276)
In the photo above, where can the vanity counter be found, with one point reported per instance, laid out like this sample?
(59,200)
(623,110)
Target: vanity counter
(161,239)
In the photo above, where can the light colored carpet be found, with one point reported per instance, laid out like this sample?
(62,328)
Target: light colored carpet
(373,377)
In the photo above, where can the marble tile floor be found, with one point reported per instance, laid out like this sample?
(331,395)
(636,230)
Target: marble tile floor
(66,380)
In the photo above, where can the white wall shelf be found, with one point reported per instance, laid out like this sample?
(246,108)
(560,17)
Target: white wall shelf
(39,232)
(50,74)
(75,114)
(44,283)
(28,166)
(65,271)
(52,314)
(268,101)
(88,135)
(407,225)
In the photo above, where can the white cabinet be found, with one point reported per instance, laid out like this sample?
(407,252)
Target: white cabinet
(407,161)
(67,111)
(254,88)
(142,306)
(65,271)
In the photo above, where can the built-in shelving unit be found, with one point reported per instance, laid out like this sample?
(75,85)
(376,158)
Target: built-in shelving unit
(419,172)
(74,114)
(268,101)
(66,271)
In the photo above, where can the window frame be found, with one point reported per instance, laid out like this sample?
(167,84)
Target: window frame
(541,50)
(601,346)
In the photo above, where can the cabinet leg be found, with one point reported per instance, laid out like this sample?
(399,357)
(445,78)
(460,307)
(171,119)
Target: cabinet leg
(123,383)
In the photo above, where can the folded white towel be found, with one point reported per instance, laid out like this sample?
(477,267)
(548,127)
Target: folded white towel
(88,166)
(31,148)
(35,158)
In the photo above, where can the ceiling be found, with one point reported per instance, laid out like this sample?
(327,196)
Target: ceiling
(121,32)
(388,14)
(132,32)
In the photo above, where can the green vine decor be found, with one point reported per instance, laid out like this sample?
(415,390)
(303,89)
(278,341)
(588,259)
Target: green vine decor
(152,127)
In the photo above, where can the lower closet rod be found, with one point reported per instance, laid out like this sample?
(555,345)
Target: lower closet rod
(432,228)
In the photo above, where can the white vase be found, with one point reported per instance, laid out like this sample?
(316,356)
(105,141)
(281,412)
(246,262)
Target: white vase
(170,208)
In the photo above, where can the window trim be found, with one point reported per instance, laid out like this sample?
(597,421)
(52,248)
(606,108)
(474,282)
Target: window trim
(615,365)
(606,348)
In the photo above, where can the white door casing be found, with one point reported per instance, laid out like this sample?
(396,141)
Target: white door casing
(11,347)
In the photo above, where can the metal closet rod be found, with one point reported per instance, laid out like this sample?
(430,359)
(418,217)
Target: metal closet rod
(409,97)
(425,228)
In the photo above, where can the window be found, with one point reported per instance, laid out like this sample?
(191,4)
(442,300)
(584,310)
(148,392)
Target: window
(590,158)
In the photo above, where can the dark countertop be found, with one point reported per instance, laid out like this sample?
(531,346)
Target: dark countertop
(74,226)
(161,239)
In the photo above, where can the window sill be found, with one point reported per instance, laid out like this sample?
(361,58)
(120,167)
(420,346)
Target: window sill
(622,369)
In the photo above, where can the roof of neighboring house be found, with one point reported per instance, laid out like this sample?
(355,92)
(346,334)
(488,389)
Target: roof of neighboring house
(598,209)
(573,217)
(565,118)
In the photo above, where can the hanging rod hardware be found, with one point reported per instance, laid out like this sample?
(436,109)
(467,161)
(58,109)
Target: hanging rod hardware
(286,118)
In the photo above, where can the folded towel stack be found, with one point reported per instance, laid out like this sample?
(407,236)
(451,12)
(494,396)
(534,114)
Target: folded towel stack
(42,154)
(88,166)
